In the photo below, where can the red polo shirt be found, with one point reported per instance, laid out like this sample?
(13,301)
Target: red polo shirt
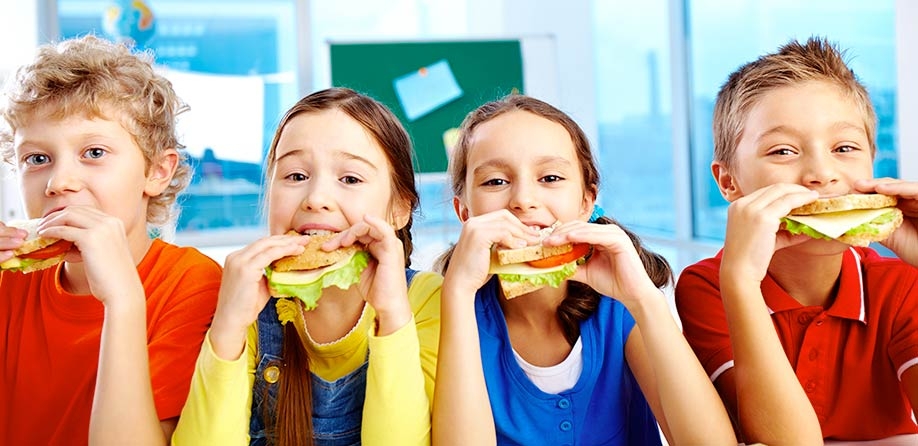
(848,357)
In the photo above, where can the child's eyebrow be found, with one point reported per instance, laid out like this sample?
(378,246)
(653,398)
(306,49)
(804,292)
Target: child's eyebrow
(847,125)
(787,130)
(552,160)
(354,157)
(779,130)
(497,164)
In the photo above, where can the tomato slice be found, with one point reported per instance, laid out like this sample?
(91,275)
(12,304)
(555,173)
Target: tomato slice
(579,250)
(53,250)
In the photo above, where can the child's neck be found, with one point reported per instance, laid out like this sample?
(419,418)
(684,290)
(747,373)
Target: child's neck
(817,286)
(337,313)
(533,326)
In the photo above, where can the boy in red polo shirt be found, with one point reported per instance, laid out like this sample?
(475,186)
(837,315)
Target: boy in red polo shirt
(805,339)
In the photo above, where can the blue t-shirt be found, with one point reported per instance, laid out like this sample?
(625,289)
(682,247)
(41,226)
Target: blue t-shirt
(605,407)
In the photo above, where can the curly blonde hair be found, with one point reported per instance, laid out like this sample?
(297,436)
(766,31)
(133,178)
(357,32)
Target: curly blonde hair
(89,76)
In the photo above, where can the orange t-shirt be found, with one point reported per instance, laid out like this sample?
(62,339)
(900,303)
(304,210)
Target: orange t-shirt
(49,344)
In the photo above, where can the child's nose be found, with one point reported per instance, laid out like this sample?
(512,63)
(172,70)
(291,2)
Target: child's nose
(523,197)
(820,171)
(317,198)
(63,180)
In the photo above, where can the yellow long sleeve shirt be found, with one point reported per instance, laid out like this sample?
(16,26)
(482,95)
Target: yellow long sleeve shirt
(400,378)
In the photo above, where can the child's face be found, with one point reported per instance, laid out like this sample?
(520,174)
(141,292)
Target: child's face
(808,134)
(78,160)
(329,172)
(527,164)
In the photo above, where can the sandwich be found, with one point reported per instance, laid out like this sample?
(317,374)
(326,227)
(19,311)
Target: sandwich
(305,275)
(36,252)
(854,219)
(524,270)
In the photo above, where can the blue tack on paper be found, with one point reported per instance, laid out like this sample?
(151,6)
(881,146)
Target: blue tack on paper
(426,89)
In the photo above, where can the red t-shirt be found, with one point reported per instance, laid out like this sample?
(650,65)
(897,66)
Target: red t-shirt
(50,344)
(848,357)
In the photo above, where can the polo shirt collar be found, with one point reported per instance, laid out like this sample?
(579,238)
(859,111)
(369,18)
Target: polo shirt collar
(849,303)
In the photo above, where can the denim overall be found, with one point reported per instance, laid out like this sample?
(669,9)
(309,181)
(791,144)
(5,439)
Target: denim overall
(337,407)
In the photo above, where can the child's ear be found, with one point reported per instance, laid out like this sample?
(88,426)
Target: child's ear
(159,175)
(726,182)
(589,199)
(401,213)
(461,211)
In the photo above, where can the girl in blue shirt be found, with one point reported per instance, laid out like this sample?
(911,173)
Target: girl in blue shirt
(562,365)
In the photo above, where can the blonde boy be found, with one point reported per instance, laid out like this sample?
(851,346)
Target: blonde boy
(100,348)
(804,339)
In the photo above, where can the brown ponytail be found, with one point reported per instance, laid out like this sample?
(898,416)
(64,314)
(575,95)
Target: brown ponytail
(293,426)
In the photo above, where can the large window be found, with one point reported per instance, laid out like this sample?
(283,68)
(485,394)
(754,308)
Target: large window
(634,110)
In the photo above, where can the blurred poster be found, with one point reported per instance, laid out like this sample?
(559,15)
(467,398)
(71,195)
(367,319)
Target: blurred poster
(427,89)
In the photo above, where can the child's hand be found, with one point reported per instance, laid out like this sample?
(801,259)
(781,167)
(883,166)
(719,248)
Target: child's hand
(102,247)
(614,268)
(753,224)
(10,239)
(382,283)
(244,290)
(904,241)
(471,259)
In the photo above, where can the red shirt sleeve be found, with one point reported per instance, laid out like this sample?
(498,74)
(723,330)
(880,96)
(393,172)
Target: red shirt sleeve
(701,310)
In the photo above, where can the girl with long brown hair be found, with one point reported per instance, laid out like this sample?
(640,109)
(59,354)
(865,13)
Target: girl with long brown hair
(359,366)
(590,362)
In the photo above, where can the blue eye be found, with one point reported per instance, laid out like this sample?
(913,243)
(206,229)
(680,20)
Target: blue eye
(36,159)
(94,153)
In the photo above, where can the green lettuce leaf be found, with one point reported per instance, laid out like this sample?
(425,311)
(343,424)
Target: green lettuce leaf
(18,264)
(310,293)
(871,227)
(553,279)
(795,227)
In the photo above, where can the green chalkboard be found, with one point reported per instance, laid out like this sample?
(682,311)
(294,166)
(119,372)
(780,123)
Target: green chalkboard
(483,70)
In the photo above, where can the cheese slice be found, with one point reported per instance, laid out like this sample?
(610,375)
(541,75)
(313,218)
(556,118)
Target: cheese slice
(522,269)
(834,224)
(308,276)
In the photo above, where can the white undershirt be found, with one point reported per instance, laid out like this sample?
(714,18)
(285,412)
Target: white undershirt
(557,378)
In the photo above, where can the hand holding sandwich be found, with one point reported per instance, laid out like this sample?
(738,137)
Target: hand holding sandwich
(753,229)
(11,238)
(614,268)
(384,273)
(904,241)
(470,265)
(102,251)
(244,291)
